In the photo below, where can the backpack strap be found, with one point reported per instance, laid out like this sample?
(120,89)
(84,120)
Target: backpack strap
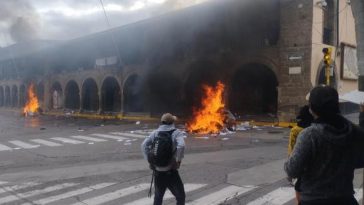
(171,131)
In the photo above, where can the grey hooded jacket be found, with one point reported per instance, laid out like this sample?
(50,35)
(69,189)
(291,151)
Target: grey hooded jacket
(325,157)
(178,144)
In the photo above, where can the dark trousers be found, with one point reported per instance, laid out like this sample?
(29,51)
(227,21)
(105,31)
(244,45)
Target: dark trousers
(336,201)
(173,182)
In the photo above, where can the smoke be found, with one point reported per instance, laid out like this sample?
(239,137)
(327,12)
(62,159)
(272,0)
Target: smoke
(22,30)
(19,20)
(178,4)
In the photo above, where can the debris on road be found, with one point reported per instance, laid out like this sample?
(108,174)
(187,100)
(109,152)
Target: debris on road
(205,137)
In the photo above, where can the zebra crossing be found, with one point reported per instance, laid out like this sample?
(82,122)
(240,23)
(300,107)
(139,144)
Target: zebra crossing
(135,194)
(89,139)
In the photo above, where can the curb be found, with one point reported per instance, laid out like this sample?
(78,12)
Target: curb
(142,118)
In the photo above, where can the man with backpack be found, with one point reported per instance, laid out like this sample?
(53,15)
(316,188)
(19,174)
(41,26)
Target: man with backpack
(164,150)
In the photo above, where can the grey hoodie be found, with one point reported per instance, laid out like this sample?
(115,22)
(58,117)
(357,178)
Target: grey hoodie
(325,157)
(178,144)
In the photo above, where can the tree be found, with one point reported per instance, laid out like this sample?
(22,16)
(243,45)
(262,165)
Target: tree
(357,7)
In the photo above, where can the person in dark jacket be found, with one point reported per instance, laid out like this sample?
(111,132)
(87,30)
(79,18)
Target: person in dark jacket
(326,153)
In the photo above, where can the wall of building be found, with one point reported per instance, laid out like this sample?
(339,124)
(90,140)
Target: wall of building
(174,56)
(346,35)
(295,56)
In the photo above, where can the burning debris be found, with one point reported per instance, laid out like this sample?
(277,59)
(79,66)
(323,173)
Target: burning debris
(32,105)
(209,118)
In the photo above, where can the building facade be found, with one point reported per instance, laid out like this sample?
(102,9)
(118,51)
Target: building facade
(267,53)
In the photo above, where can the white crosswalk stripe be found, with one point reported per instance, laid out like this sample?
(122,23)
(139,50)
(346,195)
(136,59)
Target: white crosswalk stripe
(142,132)
(168,195)
(70,194)
(92,139)
(17,187)
(23,144)
(359,194)
(67,140)
(46,142)
(110,137)
(19,196)
(221,195)
(5,148)
(113,195)
(2,183)
(277,197)
(125,134)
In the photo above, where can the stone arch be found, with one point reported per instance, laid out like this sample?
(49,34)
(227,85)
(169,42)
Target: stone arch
(40,91)
(1,96)
(72,95)
(7,96)
(164,92)
(253,90)
(90,95)
(22,95)
(201,73)
(132,94)
(56,95)
(14,96)
(111,95)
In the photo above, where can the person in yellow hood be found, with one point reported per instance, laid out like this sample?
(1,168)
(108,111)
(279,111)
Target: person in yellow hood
(304,119)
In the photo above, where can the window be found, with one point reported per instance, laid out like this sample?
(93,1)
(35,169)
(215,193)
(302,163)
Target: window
(329,19)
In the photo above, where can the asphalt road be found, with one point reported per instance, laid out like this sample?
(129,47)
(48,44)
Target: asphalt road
(62,161)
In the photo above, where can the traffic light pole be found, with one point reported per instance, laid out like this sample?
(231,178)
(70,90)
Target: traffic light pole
(327,63)
(327,72)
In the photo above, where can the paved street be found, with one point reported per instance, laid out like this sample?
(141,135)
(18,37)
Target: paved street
(64,161)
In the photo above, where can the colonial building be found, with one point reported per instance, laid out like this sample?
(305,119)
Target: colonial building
(267,53)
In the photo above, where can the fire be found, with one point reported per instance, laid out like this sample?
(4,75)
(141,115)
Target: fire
(32,104)
(209,119)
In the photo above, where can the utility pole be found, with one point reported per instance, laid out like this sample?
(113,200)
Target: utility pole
(357,7)
(327,62)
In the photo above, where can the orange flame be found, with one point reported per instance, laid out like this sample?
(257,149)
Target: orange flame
(32,104)
(209,119)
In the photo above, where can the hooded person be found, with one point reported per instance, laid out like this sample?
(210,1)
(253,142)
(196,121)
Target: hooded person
(166,173)
(326,153)
(304,120)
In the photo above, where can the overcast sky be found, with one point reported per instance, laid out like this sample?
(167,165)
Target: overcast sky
(21,20)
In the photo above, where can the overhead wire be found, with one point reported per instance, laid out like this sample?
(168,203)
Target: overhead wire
(334,15)
(111,31)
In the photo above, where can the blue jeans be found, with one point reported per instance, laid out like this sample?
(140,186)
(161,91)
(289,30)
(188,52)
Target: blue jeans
(173,182)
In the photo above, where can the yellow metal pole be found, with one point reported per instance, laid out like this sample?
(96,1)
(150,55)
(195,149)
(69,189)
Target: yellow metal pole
(327,72)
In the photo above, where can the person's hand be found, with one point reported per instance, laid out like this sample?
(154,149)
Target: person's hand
(361,107)
(176,165)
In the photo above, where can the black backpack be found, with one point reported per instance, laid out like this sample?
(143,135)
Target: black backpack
(161,151)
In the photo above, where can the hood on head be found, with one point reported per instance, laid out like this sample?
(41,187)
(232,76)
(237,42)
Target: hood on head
(337,131)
